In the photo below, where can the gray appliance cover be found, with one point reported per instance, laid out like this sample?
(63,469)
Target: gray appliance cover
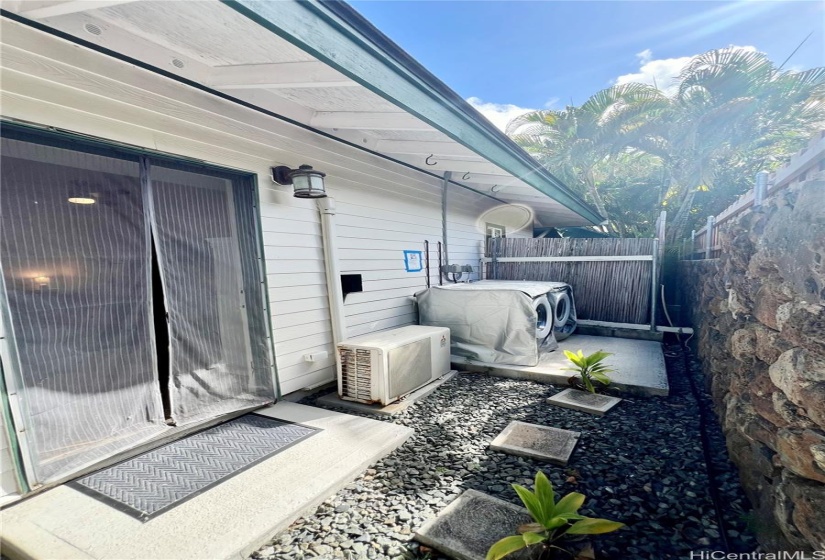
(534,290)
(492,326)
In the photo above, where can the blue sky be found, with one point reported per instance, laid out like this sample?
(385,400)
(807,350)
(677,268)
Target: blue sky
(509,56)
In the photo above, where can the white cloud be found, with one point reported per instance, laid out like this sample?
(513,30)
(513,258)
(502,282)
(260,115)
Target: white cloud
(645,56)
(552,103)
(498,113)
(662,73)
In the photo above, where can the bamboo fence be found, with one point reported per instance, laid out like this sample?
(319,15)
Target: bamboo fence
(614,291)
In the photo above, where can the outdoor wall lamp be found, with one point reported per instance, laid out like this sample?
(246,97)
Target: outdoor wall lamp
(306,182)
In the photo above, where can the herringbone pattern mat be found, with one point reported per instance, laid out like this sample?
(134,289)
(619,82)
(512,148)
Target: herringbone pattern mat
(154,482)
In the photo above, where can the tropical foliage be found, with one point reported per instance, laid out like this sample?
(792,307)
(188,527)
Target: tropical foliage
(590,368)
(553,521)
(634,150)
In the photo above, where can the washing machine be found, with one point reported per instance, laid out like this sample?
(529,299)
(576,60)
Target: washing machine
(501,321)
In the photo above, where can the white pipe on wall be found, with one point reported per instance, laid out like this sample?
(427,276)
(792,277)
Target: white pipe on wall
(326,206)
(445,183)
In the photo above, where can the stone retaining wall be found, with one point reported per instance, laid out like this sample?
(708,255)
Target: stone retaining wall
(759,311)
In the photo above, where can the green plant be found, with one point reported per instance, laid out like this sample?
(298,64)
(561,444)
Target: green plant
(552,520)
(590,368)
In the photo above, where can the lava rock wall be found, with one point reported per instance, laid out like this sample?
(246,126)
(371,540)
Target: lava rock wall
(759,311)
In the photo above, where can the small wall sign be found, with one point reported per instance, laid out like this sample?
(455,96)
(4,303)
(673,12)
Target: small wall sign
(412,261)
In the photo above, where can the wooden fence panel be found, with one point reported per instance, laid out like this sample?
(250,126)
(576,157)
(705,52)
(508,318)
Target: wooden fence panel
(614,291)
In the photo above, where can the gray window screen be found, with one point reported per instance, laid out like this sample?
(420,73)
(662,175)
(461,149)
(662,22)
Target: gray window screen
(214,365)
(77,287)
(106,343)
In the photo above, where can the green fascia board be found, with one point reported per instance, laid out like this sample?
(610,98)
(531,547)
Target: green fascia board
(337,35)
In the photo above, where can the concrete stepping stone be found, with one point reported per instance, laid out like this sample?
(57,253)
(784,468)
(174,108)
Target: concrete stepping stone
(584,401)
(537,442)
(471,524)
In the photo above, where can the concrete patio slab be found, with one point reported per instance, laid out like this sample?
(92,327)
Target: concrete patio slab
(639,364)
(471,524)
(583,401)
(332,400)
(231,520)
(537,442)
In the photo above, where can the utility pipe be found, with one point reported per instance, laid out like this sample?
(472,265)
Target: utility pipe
(444,185)
(326,206)
(654,282)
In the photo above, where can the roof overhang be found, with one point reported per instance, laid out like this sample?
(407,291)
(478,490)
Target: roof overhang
(323,66)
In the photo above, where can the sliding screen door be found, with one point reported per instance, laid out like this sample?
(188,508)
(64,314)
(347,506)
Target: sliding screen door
(75,255)
(204,230)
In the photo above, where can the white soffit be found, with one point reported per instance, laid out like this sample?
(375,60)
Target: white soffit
(209,43)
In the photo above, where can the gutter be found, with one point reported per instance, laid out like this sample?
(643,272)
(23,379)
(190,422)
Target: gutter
(334,33)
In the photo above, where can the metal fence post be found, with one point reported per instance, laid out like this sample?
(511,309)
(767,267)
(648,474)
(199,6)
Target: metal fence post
(709,237)
(760,189)
(661,233)
(692,244)
(495,257)
(654,284)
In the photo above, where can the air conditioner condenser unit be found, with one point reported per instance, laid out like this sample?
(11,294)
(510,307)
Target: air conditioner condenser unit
(383,367)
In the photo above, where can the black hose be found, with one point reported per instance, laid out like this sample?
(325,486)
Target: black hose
(713,485)
(427,260)
(440,273)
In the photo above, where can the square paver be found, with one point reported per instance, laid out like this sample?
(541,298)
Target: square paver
(471,524)
(553,445)
(584,401)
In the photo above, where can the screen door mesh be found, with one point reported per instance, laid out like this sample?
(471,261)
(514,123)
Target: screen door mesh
(214,312)
(77,227)
(77,287)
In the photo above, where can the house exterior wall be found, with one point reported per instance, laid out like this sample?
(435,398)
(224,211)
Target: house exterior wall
(376,222)
(384,208)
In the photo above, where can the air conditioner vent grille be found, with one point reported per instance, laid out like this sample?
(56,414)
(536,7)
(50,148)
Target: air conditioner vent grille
(356,374)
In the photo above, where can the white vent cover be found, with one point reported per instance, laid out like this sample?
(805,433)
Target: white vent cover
(356,373)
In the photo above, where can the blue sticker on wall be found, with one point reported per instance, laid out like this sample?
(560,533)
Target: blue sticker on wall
(412,261)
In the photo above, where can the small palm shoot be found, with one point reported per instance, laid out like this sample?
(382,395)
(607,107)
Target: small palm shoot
(590,368)
(552,520)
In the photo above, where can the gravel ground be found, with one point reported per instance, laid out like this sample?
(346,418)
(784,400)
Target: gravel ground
(642,464)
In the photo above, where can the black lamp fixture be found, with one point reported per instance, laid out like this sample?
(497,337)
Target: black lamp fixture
(306,182)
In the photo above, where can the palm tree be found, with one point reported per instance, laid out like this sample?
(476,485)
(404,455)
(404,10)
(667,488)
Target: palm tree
(576,141)
(733,109)
(732,105)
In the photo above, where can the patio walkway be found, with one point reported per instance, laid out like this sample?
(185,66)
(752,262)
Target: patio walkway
(228,521)
(639,364)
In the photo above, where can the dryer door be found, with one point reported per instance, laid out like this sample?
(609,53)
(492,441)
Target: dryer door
(544,317)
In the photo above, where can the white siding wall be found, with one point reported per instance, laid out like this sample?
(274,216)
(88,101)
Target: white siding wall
(383,208)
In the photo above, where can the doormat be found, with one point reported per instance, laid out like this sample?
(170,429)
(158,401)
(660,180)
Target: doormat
(150,484)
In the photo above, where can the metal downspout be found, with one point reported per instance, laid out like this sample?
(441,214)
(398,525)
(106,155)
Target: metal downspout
(444,185)
(326,206)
